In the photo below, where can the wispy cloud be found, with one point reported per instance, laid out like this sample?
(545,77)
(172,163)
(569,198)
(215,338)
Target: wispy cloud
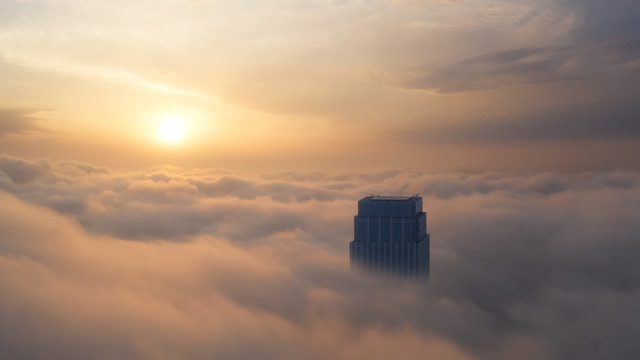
(527,66)
(16,121)
(54,63)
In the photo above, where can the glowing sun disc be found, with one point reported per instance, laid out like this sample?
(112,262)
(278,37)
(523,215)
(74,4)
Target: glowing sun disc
(171,128)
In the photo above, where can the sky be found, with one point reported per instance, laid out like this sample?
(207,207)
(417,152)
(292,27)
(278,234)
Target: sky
(285,84)
(178,179)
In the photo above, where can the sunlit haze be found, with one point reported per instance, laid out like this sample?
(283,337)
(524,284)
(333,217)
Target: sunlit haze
(171,128)
(179,179)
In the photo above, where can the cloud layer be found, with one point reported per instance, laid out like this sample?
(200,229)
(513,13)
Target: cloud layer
(206,263)
(16,121)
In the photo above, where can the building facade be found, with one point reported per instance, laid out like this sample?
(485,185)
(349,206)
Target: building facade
(390,236)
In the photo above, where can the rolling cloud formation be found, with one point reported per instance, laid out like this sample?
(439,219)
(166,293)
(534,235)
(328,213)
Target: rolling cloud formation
(211,264)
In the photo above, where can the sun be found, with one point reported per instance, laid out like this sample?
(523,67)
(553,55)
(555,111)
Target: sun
(171,128)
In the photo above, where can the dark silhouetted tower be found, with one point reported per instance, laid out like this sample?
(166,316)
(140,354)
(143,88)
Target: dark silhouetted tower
(390,236)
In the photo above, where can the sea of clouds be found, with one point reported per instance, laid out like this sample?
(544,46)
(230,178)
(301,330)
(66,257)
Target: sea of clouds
(207,263)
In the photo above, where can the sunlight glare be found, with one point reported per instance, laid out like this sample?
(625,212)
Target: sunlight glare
(171,128)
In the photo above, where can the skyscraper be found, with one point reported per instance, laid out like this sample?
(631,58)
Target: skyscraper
(390,236)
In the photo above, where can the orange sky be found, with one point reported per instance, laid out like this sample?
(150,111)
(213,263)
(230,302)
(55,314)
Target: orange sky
(419,85)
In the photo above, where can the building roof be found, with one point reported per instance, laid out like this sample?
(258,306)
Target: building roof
(393,198)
